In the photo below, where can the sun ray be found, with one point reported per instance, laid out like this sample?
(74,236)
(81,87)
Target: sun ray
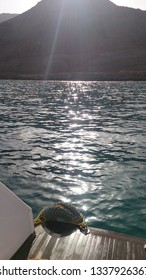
(54,42)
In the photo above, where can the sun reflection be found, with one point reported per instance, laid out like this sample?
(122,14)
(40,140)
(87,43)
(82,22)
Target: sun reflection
(77,190)
(72,113)
(79,148)
(84,207)
(75,97)
(65,199)
(74,125)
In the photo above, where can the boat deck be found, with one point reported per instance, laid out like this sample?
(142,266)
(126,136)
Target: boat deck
(98,245)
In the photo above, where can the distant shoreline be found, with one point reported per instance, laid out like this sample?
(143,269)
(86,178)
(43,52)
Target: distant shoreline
(80,76)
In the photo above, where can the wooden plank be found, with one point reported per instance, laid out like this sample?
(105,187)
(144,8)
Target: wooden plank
(62,248)
(128,256)
(110,249)
(99,244)
(86,248)
(92,245)
(49,248)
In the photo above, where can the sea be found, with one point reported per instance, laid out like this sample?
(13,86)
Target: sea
(77,142)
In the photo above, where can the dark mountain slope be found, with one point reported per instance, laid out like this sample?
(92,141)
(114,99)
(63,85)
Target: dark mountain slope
(92,37)
(5,17)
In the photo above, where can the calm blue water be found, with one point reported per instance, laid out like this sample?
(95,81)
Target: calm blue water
(80,142)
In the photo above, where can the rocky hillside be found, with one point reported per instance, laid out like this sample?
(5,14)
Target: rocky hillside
(80,39)
(5,16)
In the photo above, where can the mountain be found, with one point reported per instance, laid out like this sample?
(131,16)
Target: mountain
(80,39)
(5,16)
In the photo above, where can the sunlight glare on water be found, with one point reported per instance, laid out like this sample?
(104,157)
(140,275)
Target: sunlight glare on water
(79,142)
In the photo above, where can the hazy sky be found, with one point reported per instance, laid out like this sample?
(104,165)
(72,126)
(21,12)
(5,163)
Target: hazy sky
(20,6)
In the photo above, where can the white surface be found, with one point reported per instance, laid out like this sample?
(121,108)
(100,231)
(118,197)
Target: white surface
(16,223)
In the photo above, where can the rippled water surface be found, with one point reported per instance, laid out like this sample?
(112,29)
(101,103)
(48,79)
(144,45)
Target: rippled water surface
(80,142)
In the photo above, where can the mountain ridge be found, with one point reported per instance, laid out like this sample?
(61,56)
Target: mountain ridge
(81,39)
(6,16)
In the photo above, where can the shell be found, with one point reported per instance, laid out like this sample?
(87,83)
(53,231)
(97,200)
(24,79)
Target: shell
(62,212)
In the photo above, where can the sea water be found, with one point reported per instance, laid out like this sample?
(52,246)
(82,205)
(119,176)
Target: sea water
(78,142)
